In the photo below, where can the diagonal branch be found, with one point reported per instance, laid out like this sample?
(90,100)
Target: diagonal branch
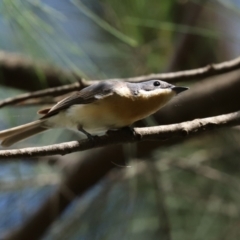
(12,64)
(158,133)
(92,170)
(194,74)
(55,91)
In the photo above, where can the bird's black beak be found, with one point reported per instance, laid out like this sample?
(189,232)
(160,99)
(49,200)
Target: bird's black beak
(178,90)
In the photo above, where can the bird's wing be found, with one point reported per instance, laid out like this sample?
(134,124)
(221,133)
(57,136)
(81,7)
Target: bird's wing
(87,95)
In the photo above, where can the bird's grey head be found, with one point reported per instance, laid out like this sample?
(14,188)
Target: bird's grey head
(154,87)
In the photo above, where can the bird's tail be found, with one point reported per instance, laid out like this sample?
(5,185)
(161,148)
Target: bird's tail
(10,136)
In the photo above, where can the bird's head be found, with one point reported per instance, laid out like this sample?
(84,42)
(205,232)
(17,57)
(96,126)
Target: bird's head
(155,89)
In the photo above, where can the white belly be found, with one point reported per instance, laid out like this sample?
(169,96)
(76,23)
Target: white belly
(86,116)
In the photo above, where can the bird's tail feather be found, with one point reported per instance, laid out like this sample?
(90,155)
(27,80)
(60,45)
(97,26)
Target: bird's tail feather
(16,134)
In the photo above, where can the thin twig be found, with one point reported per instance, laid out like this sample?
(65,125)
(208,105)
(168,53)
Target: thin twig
(38,223)
(158,133)
(194,74)
(55,91)
(188,75)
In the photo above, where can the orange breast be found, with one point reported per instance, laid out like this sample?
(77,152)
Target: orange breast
(130,110)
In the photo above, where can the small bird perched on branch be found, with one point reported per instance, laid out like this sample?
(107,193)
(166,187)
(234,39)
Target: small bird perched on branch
(100,107)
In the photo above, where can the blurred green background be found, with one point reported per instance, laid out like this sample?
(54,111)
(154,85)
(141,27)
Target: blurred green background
(185,191)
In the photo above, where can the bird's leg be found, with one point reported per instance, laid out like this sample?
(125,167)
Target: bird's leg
(89,136)
(129,129)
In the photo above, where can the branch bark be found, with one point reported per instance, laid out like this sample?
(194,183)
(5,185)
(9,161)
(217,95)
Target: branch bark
(56,91)
(223,87)
(74,185)
(204,102)
(30,74)
(158,133)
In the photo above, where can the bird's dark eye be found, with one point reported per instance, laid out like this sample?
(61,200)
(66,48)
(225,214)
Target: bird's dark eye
(156,83)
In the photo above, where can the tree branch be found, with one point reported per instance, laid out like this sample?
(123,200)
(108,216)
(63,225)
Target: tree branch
(158,133)
(27,71)
(92,170)
(56,91)
(81,83)
(194,74)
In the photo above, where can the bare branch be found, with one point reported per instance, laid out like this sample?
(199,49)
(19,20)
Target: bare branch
(56,91)
(194,74)
(36,225)
(210,70)
(15,66)
(230,86)
(158,133)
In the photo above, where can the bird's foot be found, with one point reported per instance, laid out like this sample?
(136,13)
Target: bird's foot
(91,138)
(128,130)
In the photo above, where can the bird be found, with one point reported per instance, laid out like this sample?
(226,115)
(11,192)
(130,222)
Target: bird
(102,106)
